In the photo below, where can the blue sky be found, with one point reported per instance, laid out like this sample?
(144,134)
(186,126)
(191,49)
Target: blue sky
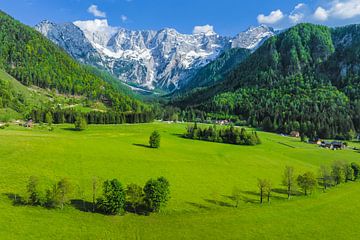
(227,17)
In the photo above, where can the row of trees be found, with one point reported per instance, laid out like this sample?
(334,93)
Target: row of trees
(115,199)
(338,173)
(229,135)
(95,117)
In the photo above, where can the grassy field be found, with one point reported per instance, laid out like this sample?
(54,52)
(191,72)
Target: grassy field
(202,176)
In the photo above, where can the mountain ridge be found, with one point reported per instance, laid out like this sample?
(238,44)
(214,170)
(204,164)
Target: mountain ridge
(163,59)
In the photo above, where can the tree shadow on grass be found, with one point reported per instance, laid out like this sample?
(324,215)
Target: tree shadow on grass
(141,145)
(71,129)
(198,205)
(284,192)
(84,206)
(178,135)
(219,203)
(139,210)
(243,199)
(15,198)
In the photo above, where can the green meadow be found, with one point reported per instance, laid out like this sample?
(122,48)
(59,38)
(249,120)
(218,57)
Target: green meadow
(202,176)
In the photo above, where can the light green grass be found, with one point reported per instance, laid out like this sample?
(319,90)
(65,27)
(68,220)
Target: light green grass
(197,171)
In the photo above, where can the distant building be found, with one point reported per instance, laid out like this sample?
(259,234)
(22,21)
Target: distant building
(295,134)
(29,124)
(335,145)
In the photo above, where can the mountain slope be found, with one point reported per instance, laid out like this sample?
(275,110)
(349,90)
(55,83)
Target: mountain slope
(34,60)
(17,97)
(217,69)
(162,59)
(294,81)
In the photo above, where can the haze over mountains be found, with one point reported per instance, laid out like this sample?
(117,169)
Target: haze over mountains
(163,59)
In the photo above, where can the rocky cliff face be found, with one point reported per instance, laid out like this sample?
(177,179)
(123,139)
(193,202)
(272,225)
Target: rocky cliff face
(161,59)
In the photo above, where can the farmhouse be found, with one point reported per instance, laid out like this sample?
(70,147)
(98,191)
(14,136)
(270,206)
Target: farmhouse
(335,145)
(295,134)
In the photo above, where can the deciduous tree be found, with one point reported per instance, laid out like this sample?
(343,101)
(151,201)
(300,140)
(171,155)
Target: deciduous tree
(157,194)
(307,182)
(289,180)
(113,199)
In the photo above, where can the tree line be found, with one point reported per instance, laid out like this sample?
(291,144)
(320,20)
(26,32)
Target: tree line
(95,117)
(230,135)
(114,200)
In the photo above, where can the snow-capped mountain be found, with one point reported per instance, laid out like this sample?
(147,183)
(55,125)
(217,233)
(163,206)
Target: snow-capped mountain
(253,37)
(151,59)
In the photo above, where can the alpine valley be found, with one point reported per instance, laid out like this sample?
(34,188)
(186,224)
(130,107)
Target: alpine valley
(114,133)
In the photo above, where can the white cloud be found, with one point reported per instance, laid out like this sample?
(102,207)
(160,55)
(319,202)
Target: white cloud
(206,29)
(321,14)
(124,18)
(300,5)
(345,9)
(94,10)
(97,25)
(331,12)
(338,10)
(298,14)
(272,18)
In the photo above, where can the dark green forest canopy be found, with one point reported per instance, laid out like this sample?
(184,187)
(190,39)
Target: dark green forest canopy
(306,78)
(34,60)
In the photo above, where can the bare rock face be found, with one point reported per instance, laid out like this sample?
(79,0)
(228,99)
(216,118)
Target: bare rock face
(150,59)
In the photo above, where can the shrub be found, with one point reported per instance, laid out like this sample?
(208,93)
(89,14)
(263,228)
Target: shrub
(154,140)
(356,169)
(157,194)
(80,123)
(33,191)
(113,200)
(134,196)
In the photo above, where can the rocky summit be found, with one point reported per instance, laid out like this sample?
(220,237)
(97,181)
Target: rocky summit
(149,59)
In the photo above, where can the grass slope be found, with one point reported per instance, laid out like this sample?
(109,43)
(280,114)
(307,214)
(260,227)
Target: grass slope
(199,173)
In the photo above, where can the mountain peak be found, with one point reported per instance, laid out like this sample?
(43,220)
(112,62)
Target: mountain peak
(152,59)
(253,37)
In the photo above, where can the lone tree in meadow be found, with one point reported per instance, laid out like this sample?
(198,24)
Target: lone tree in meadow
(325,177)
(289,180)
(154,140)
(134,196)
(157,194)
(33,191)
(113,199)
(80,123)
(307,182)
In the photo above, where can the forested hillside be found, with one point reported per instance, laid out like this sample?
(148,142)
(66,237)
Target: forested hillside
(34,60)
(305,79)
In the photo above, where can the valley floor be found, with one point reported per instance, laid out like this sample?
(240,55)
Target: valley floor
(202,176)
